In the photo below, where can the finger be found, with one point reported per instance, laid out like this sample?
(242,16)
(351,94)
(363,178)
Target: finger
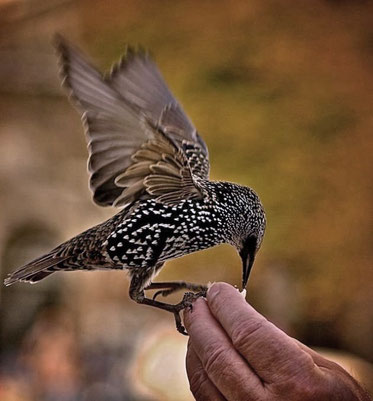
(224,366)
(200,385)
(271,353)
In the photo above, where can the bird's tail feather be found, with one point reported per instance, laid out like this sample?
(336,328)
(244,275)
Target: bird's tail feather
(35,270)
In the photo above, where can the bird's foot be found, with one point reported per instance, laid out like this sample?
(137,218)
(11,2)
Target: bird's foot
(138,295)
(169,288)
(187,302)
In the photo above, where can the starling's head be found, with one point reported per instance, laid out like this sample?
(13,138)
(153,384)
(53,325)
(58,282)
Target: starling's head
(252,235)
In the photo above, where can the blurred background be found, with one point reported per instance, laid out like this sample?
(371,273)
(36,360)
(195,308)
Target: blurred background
(281,91)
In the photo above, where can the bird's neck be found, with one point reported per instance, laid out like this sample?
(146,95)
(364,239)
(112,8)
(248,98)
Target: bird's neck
(229,205)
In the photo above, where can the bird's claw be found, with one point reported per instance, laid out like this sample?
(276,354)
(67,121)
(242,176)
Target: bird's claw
(193,287)
(187,302)
(179,326)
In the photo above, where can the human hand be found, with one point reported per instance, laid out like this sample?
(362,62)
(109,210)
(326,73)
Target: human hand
(235,354)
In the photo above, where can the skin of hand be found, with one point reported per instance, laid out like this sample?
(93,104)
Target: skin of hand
(235,354)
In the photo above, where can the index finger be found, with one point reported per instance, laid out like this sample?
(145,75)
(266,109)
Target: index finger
(271,353)
(225,367)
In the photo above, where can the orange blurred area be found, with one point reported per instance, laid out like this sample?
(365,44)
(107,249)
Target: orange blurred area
(281,92)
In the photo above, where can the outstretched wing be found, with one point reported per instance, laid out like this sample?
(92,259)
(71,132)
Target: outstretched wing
(125,114)
(160,169)
(173,124)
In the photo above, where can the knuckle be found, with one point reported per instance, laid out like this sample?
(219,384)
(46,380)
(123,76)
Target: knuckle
(216,358)
(244,333)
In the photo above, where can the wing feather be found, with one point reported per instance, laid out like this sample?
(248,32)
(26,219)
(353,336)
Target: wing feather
(136,130)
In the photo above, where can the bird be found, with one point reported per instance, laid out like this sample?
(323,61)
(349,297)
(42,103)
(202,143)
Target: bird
(147,159)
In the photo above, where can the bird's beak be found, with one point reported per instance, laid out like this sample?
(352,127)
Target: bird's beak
(247,264)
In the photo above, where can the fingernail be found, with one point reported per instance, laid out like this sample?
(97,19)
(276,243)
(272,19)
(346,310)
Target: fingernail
(213,290)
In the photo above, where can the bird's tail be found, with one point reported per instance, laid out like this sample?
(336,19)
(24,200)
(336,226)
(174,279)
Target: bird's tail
(36,270)
(82,252)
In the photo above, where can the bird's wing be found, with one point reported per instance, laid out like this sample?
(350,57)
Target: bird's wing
(173,124)
(160,169)
(138,80)
(124,114)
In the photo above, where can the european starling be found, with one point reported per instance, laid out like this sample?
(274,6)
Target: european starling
(146,157)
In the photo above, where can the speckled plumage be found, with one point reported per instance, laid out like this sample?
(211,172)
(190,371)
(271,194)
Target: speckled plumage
(153,233)
(146,156)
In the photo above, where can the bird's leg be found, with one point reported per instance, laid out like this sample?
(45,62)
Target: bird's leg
(137,294)
(168,288)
